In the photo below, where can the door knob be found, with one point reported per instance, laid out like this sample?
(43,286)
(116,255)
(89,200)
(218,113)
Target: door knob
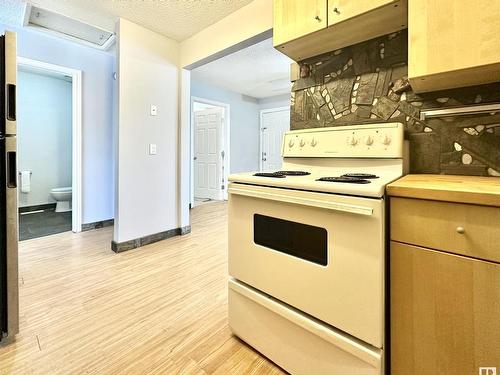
(336,10)
(317,18)
(195,158)
(460,230)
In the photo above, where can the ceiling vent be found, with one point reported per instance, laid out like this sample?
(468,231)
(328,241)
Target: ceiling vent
(67,28)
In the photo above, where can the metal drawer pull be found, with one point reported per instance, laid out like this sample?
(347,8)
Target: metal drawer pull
(460,230)
(329,205)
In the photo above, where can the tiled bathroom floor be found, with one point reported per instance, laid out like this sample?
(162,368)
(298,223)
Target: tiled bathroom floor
(44,223)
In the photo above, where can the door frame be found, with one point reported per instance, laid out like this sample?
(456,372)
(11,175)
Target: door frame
(76,146)
(226,126)
(262,112)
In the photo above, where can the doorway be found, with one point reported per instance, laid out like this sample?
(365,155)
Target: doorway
(254,81)
(49,146)
(273,125)
(210,145)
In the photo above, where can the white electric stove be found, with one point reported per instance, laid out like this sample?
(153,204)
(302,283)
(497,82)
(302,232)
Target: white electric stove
(307,250)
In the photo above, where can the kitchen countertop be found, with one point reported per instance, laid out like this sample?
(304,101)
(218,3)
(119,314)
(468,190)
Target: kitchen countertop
(462,189)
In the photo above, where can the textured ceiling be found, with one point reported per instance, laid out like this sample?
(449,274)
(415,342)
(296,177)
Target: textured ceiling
(259,71)
(11,12)
(176,19)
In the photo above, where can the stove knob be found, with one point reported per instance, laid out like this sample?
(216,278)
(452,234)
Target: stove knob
(302,143)
(314,142)
(369,140)
(291,143)
(386,140)
(352,141)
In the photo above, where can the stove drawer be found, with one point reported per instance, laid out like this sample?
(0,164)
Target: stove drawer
(454,227)
(320,253)
(291,339)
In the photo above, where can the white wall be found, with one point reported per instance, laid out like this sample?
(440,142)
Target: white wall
(275,102)
(97,113)
(236,29)
(201,106)
(184,164)
(44,134)
(240,29)
(147,191)
(244,132)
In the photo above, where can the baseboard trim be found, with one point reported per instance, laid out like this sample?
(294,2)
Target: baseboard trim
(185,230)
(119,247)
(38,207)
(98,225)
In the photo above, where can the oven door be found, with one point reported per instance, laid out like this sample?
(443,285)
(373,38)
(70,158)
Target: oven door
(321,253)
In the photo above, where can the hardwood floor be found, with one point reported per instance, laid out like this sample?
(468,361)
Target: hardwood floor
(159,309)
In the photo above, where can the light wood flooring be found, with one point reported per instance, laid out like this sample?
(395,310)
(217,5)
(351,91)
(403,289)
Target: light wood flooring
(160,309)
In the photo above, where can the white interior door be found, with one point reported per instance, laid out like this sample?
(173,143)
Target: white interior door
(208,179)
(274,123)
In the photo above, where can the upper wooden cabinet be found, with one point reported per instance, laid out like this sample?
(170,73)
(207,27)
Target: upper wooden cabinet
(453,43)
(342,10)
(296,18)
(306,28)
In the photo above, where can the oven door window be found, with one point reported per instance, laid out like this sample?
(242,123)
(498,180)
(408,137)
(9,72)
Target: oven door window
(299,240)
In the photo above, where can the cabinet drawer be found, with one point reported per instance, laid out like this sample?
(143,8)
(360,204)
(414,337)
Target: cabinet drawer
(444,312)
(459,228)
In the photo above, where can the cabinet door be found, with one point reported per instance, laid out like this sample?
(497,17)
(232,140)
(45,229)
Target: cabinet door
(296,18)
(445,312)
(341,10)
(455,42)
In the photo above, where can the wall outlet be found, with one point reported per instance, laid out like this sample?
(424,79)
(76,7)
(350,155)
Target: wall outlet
(152,149)
(153,110)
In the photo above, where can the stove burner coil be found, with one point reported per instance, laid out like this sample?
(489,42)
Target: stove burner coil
(269,174)
(360,175)
(344,179)
(293,173)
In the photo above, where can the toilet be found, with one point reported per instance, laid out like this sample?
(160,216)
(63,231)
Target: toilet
(63,198)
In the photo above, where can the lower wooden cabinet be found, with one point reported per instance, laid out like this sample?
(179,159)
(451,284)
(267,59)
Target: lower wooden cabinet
(445,312)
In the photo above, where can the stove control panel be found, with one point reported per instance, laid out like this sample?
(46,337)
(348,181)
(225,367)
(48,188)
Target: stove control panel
(360,141)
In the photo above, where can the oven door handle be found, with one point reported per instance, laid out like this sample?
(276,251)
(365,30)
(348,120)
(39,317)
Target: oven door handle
(335,206)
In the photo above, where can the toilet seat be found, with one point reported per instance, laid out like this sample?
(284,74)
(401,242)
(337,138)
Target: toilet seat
(62,190)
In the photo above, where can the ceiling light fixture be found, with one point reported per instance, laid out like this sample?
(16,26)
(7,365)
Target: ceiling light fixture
(67,28)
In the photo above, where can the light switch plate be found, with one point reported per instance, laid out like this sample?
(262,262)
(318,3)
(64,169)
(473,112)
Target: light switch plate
(152,149)
(153,110)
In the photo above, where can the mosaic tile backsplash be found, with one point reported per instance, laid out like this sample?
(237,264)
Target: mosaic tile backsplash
(368,82)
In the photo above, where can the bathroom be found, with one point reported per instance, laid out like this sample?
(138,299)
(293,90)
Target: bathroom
(44,152)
